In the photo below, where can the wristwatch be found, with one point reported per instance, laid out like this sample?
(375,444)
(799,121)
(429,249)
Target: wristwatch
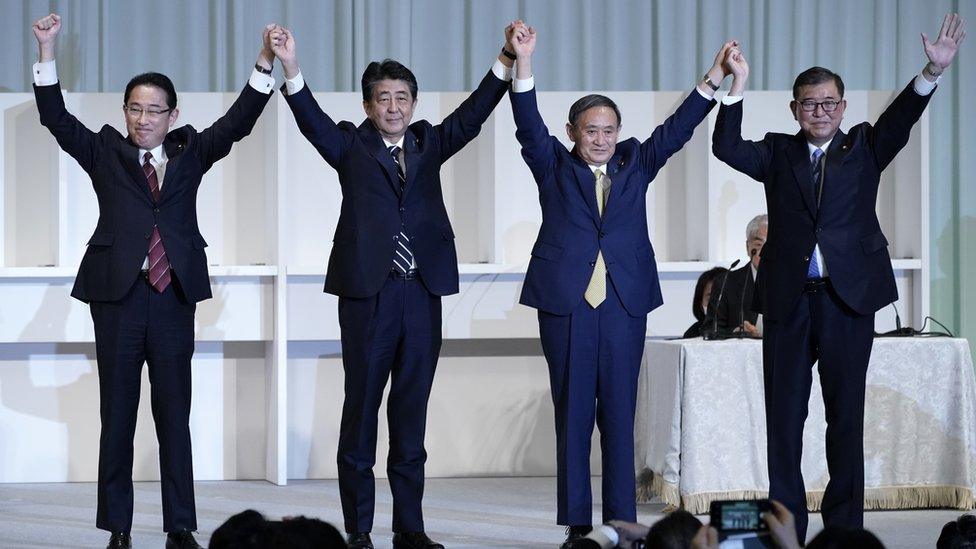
(708,82)
(261,69)
(509,54)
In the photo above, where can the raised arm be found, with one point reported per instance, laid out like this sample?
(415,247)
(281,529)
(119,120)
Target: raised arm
(893,128)
(237,123)
(320,130)
(72,136)
(464,124)
(749,157)
(530,130)
(677,129)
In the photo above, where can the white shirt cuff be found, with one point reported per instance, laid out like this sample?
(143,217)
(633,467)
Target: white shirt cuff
(295,85)
(519,86)
(46,73)
(261,82)
(923,86)
(501,71)
(701,93)
(731,99)
(605,535)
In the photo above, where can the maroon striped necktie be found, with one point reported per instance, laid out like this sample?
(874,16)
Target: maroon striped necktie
(159,276)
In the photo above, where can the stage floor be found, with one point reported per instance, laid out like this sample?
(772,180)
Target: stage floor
(461,513)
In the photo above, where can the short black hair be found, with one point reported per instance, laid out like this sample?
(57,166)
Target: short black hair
(674,531)
(387,69)
(588,102)
(160,81)
(703,280)
(842,537)
(814,76)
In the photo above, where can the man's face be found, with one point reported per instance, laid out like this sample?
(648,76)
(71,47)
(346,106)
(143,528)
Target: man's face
(147,116)
(391,108)
(755,245)
(818,125)
(595,134)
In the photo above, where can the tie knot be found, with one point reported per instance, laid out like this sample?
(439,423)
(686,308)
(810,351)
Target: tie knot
(147,158)
(817,153)
(598,174)
(394,151)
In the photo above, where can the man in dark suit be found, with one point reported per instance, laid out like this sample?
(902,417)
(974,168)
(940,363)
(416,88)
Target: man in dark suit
(145,269)
(392,260)
(735,312)
(825,269)
(592,276)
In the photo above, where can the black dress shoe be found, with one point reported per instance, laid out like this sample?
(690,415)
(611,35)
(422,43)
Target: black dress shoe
(359,540)
(414,540)
(119,540)
(574,533)
(181,540)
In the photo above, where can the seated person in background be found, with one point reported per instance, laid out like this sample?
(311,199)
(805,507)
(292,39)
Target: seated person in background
(958,534)
(702,302)
(735,312)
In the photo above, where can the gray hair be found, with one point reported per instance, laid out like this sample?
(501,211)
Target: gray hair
(758,222)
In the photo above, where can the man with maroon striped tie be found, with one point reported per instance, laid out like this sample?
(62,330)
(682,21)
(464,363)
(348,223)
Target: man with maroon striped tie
(145,269)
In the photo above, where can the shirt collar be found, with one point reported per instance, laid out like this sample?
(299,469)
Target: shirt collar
(158,154)
(601,167)
(823,147)
(399,143)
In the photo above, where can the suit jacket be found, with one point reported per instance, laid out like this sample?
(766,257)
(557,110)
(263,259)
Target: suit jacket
(126,211)
(736,304)
(373,207)
(572,229)
(845,224)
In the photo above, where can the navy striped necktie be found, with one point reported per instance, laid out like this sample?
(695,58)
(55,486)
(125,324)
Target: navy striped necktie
(403,255)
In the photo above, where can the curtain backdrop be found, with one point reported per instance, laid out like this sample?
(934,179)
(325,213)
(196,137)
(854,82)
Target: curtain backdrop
(583,45)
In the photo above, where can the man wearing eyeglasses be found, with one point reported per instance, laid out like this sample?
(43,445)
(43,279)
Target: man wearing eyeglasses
(825,267)
(145,269)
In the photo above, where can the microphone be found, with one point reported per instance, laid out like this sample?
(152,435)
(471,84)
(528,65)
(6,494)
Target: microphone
(899,331)
(713,333)
(742,296)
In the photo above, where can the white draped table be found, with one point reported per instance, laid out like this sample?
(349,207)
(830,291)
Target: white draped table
(701,433)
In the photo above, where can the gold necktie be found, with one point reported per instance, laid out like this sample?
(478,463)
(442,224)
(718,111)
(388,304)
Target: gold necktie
(596,291)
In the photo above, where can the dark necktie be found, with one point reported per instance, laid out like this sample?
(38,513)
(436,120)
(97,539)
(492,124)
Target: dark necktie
(403,258)
(813,271)
(159,276)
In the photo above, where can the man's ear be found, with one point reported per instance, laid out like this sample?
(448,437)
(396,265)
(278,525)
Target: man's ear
(793,107)
(173,115)
(569,132)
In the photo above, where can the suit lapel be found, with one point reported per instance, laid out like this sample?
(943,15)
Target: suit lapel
(411,156)
(614,166)
(129,157)
(174,159)
(837,154)
(799,157)
(587,186)
(377,149)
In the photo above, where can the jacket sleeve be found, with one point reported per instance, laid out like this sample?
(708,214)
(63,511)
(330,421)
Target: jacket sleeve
(677,129)
(72,136)
(894,127)
(320,130)
(464,124)
(538,147)
(236,124)
(752,158)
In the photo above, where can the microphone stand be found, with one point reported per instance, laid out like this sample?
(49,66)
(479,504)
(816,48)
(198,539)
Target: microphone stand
(713,333)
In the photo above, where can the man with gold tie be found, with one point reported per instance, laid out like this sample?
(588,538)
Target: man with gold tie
(592,275)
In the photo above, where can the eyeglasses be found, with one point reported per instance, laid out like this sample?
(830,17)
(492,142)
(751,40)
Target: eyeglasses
(828,106)
(136,112)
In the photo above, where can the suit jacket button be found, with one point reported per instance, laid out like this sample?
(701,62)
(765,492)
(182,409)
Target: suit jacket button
(402,209)
(602,234)
(156,210)
(147,236)
(806,258)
